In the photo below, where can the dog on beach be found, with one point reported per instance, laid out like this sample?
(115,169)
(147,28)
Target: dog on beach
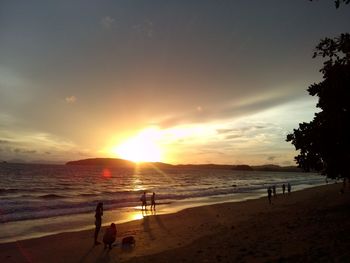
(128,241)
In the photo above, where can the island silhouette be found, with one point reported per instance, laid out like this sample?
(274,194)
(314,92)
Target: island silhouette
(121,163)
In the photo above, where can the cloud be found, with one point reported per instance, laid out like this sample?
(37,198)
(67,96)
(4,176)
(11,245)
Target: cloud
(229,110)
(224,131)
(146,28)
(240,130)
(71,99)
(233,136)
(17,150)
(84,154)
(271,158)
(29,151)
(24,151)
(107,21)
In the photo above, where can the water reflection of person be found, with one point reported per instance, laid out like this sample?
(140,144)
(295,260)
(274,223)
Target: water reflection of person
(144,212)
(98,221)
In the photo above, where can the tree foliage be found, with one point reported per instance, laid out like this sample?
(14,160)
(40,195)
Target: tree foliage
(324,143)
(338,2)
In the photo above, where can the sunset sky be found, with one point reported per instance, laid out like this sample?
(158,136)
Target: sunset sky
(173,81)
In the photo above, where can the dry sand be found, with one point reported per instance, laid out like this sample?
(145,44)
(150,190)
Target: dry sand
(311,225)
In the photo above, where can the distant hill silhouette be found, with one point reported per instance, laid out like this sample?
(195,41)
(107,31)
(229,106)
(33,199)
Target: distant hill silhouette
(115,162)
(102,162)
(121,163)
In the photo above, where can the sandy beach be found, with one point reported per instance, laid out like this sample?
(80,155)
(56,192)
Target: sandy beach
(311,225)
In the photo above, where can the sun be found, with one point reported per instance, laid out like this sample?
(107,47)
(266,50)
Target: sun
(141,148)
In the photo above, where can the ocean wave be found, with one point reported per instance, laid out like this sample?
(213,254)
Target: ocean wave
(51,196)
(20,210)
(87,195)
(8,190)
(54,191)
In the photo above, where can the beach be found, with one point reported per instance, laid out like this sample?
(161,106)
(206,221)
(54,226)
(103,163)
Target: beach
(308,225)
(41,200)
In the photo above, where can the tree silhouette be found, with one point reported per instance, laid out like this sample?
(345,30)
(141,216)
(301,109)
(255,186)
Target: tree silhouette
(324,143)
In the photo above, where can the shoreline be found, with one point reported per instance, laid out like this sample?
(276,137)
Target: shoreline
(36,228)
(239,230)
(85,221)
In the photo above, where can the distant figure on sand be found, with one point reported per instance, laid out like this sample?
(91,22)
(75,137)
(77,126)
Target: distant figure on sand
(143,201)
(110,235)
(283,188)
(289,188)
(98,221)
(269,194)
(153,201)
(274,191)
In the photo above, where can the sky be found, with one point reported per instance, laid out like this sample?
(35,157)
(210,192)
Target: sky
(160,80)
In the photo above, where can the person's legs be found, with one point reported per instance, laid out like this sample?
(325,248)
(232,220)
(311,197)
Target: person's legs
(97,230)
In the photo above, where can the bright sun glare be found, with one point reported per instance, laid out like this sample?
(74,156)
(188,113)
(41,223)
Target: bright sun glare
(141,148)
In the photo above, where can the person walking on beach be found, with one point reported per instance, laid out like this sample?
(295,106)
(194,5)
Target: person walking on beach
(274,191)
(153,201)
(110,236)
(143,201)
(283,188)
(269,194)
(98,221)
(289,187)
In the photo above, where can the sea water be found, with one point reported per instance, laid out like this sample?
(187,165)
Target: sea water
(37,200)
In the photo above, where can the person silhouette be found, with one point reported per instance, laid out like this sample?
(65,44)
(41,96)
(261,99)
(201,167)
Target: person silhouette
(283,188)
(289,187)
(153,201)
(110,235)
(98,221)
(269,194)
(274,191)
(144,201)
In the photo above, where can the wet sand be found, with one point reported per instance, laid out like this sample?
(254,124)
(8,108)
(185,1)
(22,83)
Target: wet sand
(311,225)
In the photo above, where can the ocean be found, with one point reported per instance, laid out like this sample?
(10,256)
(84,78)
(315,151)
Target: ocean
(38,200)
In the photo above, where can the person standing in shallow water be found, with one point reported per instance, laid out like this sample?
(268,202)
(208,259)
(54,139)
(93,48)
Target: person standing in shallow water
(153,201)
(283,188)
(98,221)
(269,194)
(274,191)
(289,187)
(143,201)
